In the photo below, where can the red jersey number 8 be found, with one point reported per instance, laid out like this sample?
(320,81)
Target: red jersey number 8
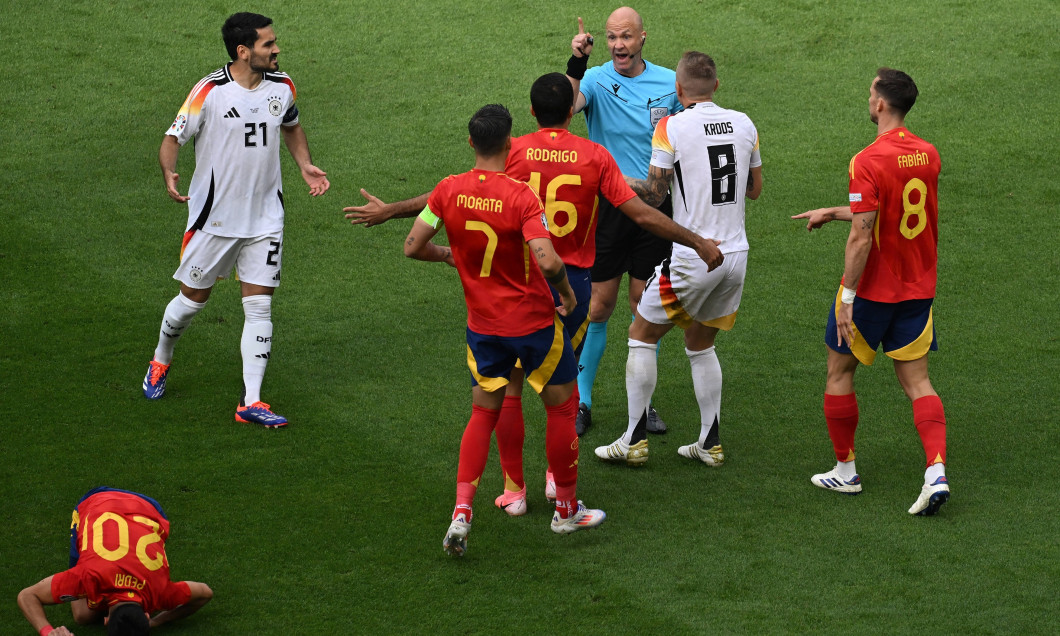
(914,211)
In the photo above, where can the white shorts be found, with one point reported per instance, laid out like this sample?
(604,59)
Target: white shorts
(207,257)
(682,292)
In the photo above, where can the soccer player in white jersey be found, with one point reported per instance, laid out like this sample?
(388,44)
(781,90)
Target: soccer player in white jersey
(237,116)
(710,155)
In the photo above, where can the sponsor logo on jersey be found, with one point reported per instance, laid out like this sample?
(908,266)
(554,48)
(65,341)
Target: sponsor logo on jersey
(855,197)
(232,113)
(615,88)
(657,113)
(275,106)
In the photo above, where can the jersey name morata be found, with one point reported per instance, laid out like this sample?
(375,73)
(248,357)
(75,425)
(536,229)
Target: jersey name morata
(236,190)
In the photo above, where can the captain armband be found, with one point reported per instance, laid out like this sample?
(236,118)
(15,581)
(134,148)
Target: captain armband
(430,219)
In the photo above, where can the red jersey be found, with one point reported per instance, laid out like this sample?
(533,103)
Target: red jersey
(489,217)
(121,539)
(898,175)
(568,172)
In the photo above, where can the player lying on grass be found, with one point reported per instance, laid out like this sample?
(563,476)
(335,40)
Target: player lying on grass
(119,572)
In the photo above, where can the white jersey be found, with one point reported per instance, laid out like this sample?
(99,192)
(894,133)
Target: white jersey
(236,190)
(711,151)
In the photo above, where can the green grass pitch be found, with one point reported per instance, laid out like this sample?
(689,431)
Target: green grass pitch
(335,525)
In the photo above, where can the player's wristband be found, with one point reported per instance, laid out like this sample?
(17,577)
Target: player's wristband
(47,629)
(576,66)
(848,296)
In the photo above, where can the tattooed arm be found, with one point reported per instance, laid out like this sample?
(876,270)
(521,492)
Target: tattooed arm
(555,272)
(820,216)
(418,244)
(859,243)
(653,189)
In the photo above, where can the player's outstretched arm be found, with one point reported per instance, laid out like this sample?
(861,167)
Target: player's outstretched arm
(200,595)
(32,601)
(376,211)
(555,272)
(167,158)
(655,188)
(663,226)
(820,216)
(298,145)
(581,46)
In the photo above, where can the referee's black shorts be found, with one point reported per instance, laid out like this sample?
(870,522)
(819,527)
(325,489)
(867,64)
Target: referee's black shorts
(623,247)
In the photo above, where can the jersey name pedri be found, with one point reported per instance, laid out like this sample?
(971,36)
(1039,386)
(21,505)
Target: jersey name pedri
(120,541)
(489,217)
(898,175)
(711,151)
(568,173)
(236,190)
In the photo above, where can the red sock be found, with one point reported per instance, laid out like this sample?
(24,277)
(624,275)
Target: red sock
(841,415)
(510,435)
(930,420)
(565,507)
(474,451)
(561,448)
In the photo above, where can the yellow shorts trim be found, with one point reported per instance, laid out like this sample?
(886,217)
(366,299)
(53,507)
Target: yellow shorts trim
(488,384)
(578,336)
(541,375)
(918,348)
(725,323)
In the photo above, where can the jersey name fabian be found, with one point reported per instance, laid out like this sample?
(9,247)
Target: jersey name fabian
(236,190)
(898,175)
(489,217)
(621,112)
(711,151)
(119,543)
(568,173)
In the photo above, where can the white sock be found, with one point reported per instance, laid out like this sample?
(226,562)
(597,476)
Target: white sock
(178,315)
(255,345)
(933,472)
(846,470)
(641,376)
(706,380)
